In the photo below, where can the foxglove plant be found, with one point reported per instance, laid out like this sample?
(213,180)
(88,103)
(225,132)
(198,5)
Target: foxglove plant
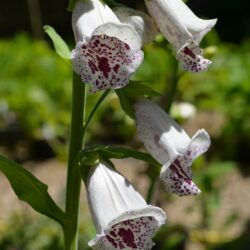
(183,29)
(107,51)
(170,145)
(122,218)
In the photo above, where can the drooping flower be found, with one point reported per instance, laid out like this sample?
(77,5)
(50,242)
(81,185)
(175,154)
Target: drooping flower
(107,51)
(170,145)
(122,218)
(140,21)
(183,29)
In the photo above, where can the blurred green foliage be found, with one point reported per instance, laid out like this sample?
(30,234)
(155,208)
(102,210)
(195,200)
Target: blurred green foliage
(35,89)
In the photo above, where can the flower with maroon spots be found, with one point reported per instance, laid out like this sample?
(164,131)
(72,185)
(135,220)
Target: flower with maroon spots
(121,216)
(107,51)
(183,29)
(169,144)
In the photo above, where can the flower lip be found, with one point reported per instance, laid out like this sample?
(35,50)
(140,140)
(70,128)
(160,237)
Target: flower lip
(176,173)
(132,229)
(191,58)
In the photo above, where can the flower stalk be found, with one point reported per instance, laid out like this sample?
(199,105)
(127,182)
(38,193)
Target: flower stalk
(73,175)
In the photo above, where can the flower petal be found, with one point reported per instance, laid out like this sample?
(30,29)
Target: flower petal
(88,15)
(166,16)
(142,23)
(199,144)
(195,25)
(109,191)
(124,32)
(131,230)
(105,62)
(162,136)
(191,58)
(177,177)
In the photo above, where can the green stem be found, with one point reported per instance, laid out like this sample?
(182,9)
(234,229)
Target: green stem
(73,175)
(95,108)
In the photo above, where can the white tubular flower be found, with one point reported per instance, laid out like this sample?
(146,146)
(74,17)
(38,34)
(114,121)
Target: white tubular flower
(122,218)
(140,21)
(169,144)
(183,29)
(107,51)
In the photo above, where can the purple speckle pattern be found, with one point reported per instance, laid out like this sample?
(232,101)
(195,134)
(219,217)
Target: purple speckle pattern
(191,58)
(177,177)
(105,62)
(129,234)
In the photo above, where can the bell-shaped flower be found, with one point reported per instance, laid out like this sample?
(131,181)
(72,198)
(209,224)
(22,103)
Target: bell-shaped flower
(183,29)
(140,21)
(121,216)
(169,144)
(107,51)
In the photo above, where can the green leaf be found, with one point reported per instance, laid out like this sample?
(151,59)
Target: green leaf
(128,95)
(125,103)
(138,89)
(60,45)
(121,153)
(29,189)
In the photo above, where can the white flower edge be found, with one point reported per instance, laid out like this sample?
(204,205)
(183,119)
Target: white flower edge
(140,21)
(124,32)
(101,20)
(92,12)
(148,211)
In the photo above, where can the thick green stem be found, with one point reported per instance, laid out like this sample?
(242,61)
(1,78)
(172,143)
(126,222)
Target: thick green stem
(73,175)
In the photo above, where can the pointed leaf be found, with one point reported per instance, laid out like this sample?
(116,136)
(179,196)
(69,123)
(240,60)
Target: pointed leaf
(29,189)
(121,153)
(138,89)
(125,103)
(60,45)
